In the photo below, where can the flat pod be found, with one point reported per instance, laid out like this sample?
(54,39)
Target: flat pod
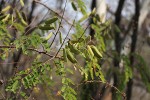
(96,52)
(73,49)
(21,18)
(90,50)
(52,20)
(74,6)
(64,55)
(46,27)
(6,9)
(6,18)
(71,57)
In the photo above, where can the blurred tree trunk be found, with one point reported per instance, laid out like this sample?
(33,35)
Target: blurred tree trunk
(91,20)
(133,46)
(118,42)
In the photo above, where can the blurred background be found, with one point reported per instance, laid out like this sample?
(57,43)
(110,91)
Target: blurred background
(131,16)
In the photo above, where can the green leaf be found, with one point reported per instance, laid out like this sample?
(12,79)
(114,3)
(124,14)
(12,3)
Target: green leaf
(15,86)
(69,70)
(117,29)
(19,27)
(81,6)
(84,17)
(69,81)
(102,77)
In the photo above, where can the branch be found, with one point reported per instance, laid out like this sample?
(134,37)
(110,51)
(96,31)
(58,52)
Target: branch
(53,11)
(64,39)
(59,25)
(31,49)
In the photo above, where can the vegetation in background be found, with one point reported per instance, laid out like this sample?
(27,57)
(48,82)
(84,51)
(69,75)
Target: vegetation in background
(18,39)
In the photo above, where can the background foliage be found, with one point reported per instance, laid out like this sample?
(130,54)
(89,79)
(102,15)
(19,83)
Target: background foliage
(56,58)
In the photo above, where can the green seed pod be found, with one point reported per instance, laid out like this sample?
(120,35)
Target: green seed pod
(23,22)
(71,57)
(96,52)
(48,36)
(6,18)
(73,49)
(87,56)
(60,37)
(74,6)
(46,27)
(21,18)
(22,3)
(52,20)
(64,55)
(90,50)
(6,9)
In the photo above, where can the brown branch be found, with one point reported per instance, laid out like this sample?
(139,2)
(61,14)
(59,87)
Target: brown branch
(53,11)
(31,49)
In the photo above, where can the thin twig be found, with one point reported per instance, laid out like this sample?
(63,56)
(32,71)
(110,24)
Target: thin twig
(52,11)
(32,49)
(59,24)
(65,39)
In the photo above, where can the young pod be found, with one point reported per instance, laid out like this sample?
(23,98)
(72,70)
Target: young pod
(71,57)
(6,18)
(87,56)
(64,55)
(73,49)
(52,20)
(22,3)
(96,52)
(21,18)
(46,27)
(90,51)
(6,9)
